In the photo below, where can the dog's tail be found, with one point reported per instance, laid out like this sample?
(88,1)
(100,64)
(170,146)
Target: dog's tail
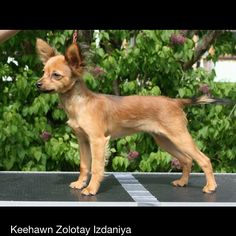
(203,100)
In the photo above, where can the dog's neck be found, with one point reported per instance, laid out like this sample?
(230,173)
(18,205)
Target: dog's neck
(78,91)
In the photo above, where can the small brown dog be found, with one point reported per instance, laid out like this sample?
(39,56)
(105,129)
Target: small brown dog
(97,118)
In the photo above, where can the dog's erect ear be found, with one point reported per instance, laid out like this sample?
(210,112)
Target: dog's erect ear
(44,50)
(73,56)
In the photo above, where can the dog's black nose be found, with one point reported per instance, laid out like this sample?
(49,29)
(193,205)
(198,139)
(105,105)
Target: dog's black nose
(38,84)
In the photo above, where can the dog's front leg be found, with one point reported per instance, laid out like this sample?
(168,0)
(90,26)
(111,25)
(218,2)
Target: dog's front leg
(98,146)
(85,163)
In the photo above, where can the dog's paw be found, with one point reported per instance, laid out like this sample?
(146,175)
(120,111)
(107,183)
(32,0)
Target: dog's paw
(179,183)
(209,188)
(78,184)
(88,191)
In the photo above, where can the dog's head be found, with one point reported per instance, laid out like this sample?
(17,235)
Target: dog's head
(60,71)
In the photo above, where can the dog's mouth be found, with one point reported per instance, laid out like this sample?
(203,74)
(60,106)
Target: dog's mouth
(47,91)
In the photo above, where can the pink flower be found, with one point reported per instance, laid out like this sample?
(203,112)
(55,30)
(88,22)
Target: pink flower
(175,164)
(132,155)
(45,135)
(98,71)
(177,39)
(204,88)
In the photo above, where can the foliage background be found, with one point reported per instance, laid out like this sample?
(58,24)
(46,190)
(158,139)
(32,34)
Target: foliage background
(147,62)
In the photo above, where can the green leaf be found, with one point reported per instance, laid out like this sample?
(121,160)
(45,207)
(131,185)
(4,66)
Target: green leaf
(156,91)
(21,153)
(100,52)
(66,137)
(113,150)
(218,108)
(120,163)
(204,132)
(74,145)
(14,129)
(181,92)
(105,35)
(8,163)
(165,36)
(126,163)
(37,154)
(115,163)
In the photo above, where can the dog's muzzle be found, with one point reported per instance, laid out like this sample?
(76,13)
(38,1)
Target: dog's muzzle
(38,85)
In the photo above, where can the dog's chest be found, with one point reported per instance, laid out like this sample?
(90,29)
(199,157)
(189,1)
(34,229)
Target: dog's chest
(75,113)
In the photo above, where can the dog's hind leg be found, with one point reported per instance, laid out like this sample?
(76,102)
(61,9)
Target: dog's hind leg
(186,170)
(98,146)
(185,145)
(85,163)
(185,160)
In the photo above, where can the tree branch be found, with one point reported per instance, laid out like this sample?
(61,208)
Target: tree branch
(6,34)
(202,47)
(116,87)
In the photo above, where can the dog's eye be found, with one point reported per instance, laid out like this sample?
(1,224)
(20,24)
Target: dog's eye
(56,75)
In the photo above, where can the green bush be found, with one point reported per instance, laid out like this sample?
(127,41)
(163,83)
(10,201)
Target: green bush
(34,135)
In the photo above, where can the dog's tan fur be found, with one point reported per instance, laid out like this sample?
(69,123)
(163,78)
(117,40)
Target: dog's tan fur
(97,118)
